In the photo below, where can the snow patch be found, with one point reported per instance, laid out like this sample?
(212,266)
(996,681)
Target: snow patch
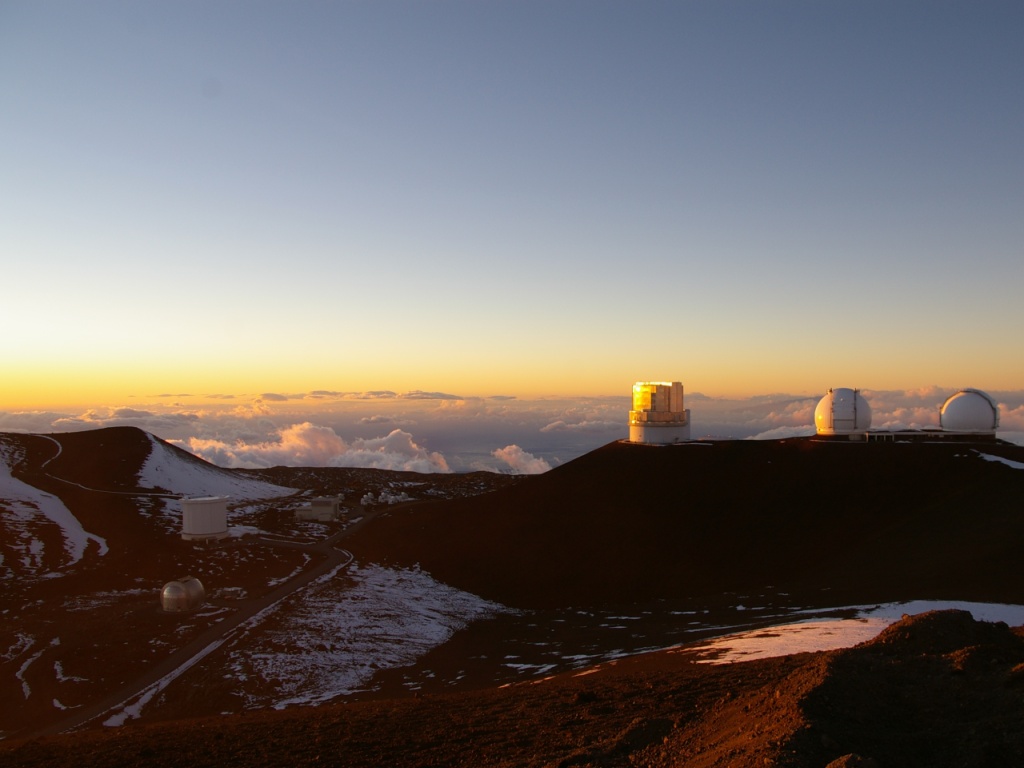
(825,634)
(58,673)
(20,674)
(337,636)
(167,469)
(22,643)
(386,497)
(25,505)
(1001,460)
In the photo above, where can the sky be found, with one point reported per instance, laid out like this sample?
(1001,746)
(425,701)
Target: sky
(539,200)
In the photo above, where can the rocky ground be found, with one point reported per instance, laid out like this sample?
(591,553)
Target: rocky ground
(794,522)
(938,690)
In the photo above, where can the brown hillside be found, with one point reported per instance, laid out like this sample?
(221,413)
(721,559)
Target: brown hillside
(937,690)
(830,523)
(629,522)
(103,458)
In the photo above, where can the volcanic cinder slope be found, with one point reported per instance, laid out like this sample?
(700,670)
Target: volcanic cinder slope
(90,527)
(828,521)
(811,522)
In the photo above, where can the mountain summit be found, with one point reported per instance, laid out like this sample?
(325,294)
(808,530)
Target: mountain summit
(497,620)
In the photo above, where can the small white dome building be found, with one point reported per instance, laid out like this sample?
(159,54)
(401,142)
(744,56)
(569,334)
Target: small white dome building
(842,411)
(969,410)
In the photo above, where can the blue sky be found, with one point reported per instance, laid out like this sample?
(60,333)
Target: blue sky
(509,198)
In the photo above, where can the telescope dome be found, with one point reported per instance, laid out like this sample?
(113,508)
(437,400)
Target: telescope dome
(184,594)
(969,410)
(842,411)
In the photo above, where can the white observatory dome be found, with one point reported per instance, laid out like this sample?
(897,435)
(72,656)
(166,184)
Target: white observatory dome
(841,412)
(969,410)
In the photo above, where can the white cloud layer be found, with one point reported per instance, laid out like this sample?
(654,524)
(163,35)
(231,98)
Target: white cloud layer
(1011,419)
(582,426)
(521,462)
(309,445)
(782,433)
(434,432)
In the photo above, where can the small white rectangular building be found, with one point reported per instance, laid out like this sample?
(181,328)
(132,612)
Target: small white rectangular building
(323,509)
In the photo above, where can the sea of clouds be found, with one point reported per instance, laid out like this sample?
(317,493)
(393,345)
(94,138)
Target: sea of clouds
(439,432)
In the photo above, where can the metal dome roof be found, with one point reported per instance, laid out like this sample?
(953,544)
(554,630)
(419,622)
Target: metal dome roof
(969,410)
(842,411)
(184,594)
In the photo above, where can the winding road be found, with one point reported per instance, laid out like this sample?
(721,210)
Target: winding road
(116,707)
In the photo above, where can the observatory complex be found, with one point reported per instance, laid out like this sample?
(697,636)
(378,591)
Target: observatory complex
(658,416)
(968,414)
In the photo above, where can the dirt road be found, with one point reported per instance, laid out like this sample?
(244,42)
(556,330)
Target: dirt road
(117,706)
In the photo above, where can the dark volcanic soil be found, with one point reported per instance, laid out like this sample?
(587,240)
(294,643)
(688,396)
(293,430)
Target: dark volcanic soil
(824,523)
(935,690)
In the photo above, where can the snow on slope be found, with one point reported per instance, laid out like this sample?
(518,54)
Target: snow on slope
(166,468)
(27,507)
(336,636)
(823,634)
(332,638)
(1001,460)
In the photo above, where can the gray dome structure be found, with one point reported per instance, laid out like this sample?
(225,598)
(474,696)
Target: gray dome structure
(969,410)
(184,594)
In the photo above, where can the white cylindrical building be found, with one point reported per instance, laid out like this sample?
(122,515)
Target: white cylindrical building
(970,411)
(658,416)
(842,411)
(204,518)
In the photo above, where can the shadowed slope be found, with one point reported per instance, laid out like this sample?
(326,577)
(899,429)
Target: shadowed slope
(105,459)
(629,522)
(127,458)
